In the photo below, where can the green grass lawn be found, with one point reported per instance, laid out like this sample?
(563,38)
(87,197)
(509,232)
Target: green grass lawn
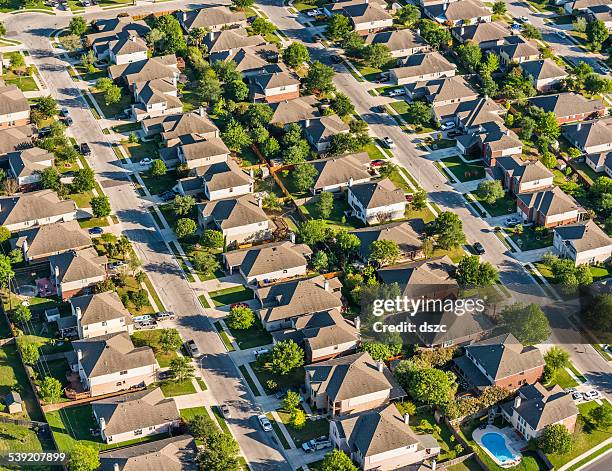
(586,171)
(11,5)
(231,295)
(177,388)
(293,380)
(24,82)
(132,285)
(438,144)
(157,185)
(93,222)
(443,438)
(425,214)
(468,465)
(505,205)
(169,214)
(13,377)
(373,152)
(191,412)
(127,128)
(110,111)
(255,336)
(150,338)
(224,337)
(464,172)
(249,380)
(204,302)
(337,218)
(563,379)
(399,181)
(529,240)
(82,200)
(312,429)
(139,150)
(90,76)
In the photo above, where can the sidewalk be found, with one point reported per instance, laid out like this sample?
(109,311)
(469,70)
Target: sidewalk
(587,454)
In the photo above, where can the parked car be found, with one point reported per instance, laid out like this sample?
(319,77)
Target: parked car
(525,19)
(576,396)
(85,149)
(377,163)
(396,92)
(447,126)
(454,133)
(336,59)
(145,324)
(117,264)
(379,109)
(590,395)
(389,142)
(64,112)
(264,422)
(44,131)
(192,348)
(146,161)
(165,316)
(316,444)
(68,121)
(143,318)
(225,411)
(162,375)
(261,351)
(96,230)
(512,222)
(478,248)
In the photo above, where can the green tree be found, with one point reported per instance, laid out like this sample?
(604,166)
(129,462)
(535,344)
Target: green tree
(353,43)
(313,231)
(240,318)
(200,426)
(471,272)
(158,168)
(555,439)
(499,7)
(2,29)
(47,106)
(320,261)
(490,191)
(236,90)
(100,206)
(601,416)
(205,263)
(346,242)
(490,64)
(337,460)
(270,147)
(173,39)
(182,369)
(286,356)
(342,105)
(50,389)
(384,252)
(295,55)
(259,114)
(29,352)
(432,386)
(6,270)
(112,95)
(221,451)
(209,87)
(226,71)
(104,83)
(5,234)
(169,340)
(557,358)
(597,34)
(303,176)
(418,113)
(338,27)
(291,401)
(21,314)
(235,136)
(470,54)
(243,4)
(77,25)
(381,351)
(599,314)
(325,205)
(448,229)
(433,33)
(527,323)
(84,180)
(262,26)
(298,419)
(83,457)
(548,125)
(531,32)
(376,55)
(212,239)
(408,15)
(320,77)
(185,227)
(183,205)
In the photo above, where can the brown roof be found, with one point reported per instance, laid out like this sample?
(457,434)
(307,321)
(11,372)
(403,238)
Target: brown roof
(415,277)
(99,307)
(19,137)
(566,104)
(53,238)
(206,148)
(339,170)
(234,212)
(268,258)
(78,265)
(296,110)
(233,39)
(224,175)
(549,202)
(30,161)
(12,100)
(35,205)
(176,125)
(424,64)
(145,70)
(397,40)
(377,194)
(212,17)
(406,234)
(543,69)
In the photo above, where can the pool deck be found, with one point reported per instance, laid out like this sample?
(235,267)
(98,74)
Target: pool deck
(513,443)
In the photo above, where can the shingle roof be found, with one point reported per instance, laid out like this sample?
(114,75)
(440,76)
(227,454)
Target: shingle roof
(268,258)
(128,44)
(499,137)
(549,202)
(12,100)
(150,69)
(566,104)
(212,17)
(424,64)
(30,161)
(406,234)
(54,238)
(274,80)
(584,236)
(397,40)
(590,133)
(324,127)
(294,111)
(543,69)
(320,330)
(34,205)
(455,11)
(206,148)
(524,171)
(365,13)
(541,407)
(233,39)
(472,113)
(99,307)
(457,327)
(176,125)
(482,32)
(224,175)
(377,194)
(443,89)
(414,278)
(77,265)
(339,170)
(19,137)
(520,50)
(234,212)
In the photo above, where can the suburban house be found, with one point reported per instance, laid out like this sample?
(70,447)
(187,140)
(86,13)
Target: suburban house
(100,314)
(591,137)
(17,138)
(154,98)
(14,107)
(170,454)
(569,106)
(517,51)
(408,235)
(350,384)
(545,74)
(253,60)
(323,335)
(458,13)
(582,5)
(36,208)
(549,208)
(111,29)
(240,219)
(41,242)
(473,116)
(203,153)
(214,19)
(27,165)
(112,363)
(401,42)
(337,173)
(598,162)
(430,279)
(283,302)
(496,141)
(500,361)
(135,415)
(319,131)
(224,43)
(270,262)
(224,180)
(381,439)
(160,67)
(127,48)
(535,408)
(274,86)
(519,176)
(461,330)
(294,111)
(376,202)
(77,271)
(422,67)
(584,243)
(600,13)
(171,128)
(442,91)
(367,17)
(486,35)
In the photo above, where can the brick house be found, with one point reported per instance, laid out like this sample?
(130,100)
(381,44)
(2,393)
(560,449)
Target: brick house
(549,208)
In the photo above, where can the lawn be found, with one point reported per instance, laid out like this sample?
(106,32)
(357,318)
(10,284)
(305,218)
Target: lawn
(137,151)
(150,338)
(11,5)
(157,185)
(529,239)
(24,82)
(13,377)
(468,465)
(463,171)
(293,380)
(505,205)
(443,438)
(132,286)
(93,222)
(399,181)
(312,429)
(177,388)
(337,219)
(249,380)
(90,76)
(223,335)
(563,379)
(585,171)
(191,412)
(191,250)
(82,200)
(170,216)
(19,438)
(254,336)
(373,152)
(127,128)
(425,214)
(372,73)
(231,295)
(110,111)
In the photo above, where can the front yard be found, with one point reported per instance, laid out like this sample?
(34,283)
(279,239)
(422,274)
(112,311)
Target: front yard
(463,171)
(255,336)
(311,430)
(139,150)
(177,388)
(505,205)
(157,185)
(125,292)
(150,338)
(293,380)
(236,294)
(114,109)
(529,239)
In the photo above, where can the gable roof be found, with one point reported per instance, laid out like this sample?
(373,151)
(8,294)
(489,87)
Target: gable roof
(406,234)
(324,127)
(266,81)
(377,194)
(583,236)
(12,100)
(19,137)
(543,69)
(549,202)
(457,327)
(365,13)
(176,125)
(205,148)
(590,133)
(443,89)
(30,161)
(158,67)
(234,212)
(234,38)
(99,307)
(520,49)
(541,407)
(397,40)
(460,10)
(566,104)
(77,265)
(482,32)
(477,112)
(294,111)
(53,238)
(338,170)
(424,64)
(268,258)
(498,137)
(250,59)
(34,205)
(414,278)
(523,171)
(224,175)
(212,16)
(128,44)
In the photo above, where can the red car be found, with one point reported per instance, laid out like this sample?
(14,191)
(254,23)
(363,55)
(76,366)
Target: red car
(377,163)
(232,306)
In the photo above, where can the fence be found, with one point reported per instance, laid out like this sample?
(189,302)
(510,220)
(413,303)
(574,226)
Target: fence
(88,399)
(31,424)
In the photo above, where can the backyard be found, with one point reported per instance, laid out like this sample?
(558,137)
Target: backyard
(254,336)
(232,295)
(338,218)
(443,436)
(150,338)
(13,378)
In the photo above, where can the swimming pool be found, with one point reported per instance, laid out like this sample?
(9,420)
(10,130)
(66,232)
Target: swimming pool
(495,444)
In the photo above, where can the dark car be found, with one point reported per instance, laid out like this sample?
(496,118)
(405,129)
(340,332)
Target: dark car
(44,131)
(192,348)
(68,121)
(164,375)
(336,59)
(167,196)
(478,248)
(96,230)
(85,149)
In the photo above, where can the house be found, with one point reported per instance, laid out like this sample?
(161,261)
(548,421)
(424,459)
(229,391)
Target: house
(172,127)
(367,17)
(498,141)
(569,106)
(401,42)
(170,454)
(36,208)
(319,131)
(431,278)
(127,48)
(591,137)
(350,384)
(160,67)
(473,116)
(323,335)
(112,363)
(135,415)
(376,202)
(422,67)
(486,35)
(13,403)
(600,13)
(253,60)
(598,161)
(535,408)
(294,111)
(41,242)
(214,19)
(223,43)
(519,176)
(381,439)
(14,107)
(500,361)
(225,180)
(100,314)
(111,29)
(518,51)
(459,13)
(26,165)
(274,87)
(462,330)
(269,262)
(17,138)
(77,271)
(155,98)
(240,219)
(203,153)
(548,208)
(584,243)
(337,173)
(582,5)
(283,302)
(442,91)
(545,74)
(408,235)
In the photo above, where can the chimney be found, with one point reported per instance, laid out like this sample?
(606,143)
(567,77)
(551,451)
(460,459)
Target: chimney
(507,133)
(445,6)
(251,173)
(380,365)
(357,323)
(201,111)
(307,123)
(406,418)
(25,247)
(418,31)
(350,182)
(260,201)
(578,126)
(434,465)
(56,271)
(79,354)
(278,298)
(292,237)
(211,35)
(116,467)
(78,313)
(184,15)
(102,423)
(326,285)
(517,401)
(462,31)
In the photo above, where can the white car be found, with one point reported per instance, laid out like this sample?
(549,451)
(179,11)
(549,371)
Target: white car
(576,396)
(590,395)
(512,221)
(146,161)
(265,423)
(447,126)
(389,142)
(525,19)
(261,351)
(311,12)
(560,33)
(397,92)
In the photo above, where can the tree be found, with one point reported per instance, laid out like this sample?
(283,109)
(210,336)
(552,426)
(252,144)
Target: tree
(325,205)
(601,416)
(353,43)
(262,26)
(595,83)
(112,95)
(597,33)
(303,176)
(291,401)
(77,25)
(21,314)
(408,15)
(342,105)
(433,33)
(236,90)
(432,386)
(6,270)
(212,239)
(173,40)
(242,4)
(555,439)
(557,358)
(337,460)
(221,451)
(499,7)
(240,318)
(29,352)
(472,272)
(100,206)
(490,191)
(5,234)
(381,351)
(286,356)
(531,32)
(83,457)
(84,180)
(548,159)
(312,231)
(205,262)
(181,368)
(169,340)
(235,136)
(295,55)
(384,252)
(448,229)
(599,314)
(270,147)
(158,168)
(259,114)
(46,106)
(470,54)
(209,87)
(338,27)
(376,55)
(185,227)
(548,126)
(527,323)
(226,71)
(418,113)
(490,64)
(183,205)
(342,143)
(346,242)
(200,426)
(16,256)
(320,77)
(2,29)
(50,389)
(298,419)
(320,261)
(104,83)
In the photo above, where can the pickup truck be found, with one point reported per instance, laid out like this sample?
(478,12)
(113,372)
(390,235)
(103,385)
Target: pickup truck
(316,444)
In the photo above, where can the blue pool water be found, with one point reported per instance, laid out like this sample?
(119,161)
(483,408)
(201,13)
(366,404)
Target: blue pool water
(496,444)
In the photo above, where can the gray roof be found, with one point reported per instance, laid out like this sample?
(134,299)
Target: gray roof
(158,91)
(34,205)
(230,39)
(294,111)
(77,265)
(397,40)
(352,376)
(206,148)
(549,202)
(99,307)
(377,194)
(524,171)
(19,137)
(268,258)
(267,81)
(320,129)
(30,161)
(158,67)
(455,11)
(53,238)
(135,411)
(424,64)
(589,133)
(252,59)
(234,212)
(457,327)
(339,170)
(212,17)
(566,104)
(581,4)
(406,234)
(498,137)
(482,32)
(584,236)
(177,125)
(443,89)
(365,13)
(599,159)
(543,69)
(128,44)
(223,175)
(112,353)
(520,49)
(12,100)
